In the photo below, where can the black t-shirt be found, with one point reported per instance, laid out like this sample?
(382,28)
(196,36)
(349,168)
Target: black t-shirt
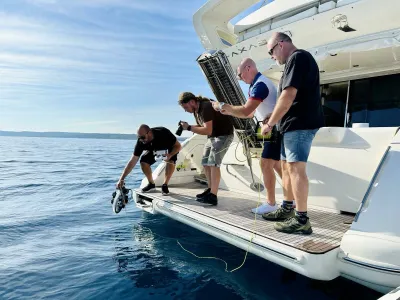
(163,139)
(301,72)
(221,124)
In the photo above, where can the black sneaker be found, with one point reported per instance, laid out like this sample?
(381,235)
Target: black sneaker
(206,191)
(148,187)
(210,198)
(164,189)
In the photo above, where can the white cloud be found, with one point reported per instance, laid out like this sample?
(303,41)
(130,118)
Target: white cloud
(63,60)
(174,9)
(15,21)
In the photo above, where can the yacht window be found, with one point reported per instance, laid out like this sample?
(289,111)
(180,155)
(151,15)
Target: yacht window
(375,101)
(333,97)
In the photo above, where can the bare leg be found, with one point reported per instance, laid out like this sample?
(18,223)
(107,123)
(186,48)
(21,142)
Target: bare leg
(215,179)
(299,181)
(147,171)
(207,171)
(278,168)
(169,170)
(267,167)
(286,179)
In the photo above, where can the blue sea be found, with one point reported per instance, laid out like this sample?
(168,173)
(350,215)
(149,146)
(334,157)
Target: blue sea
(60,240)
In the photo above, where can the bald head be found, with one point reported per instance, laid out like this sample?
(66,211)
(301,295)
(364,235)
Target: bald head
(143,127)
(280,47)
(280,36)
(247,70)
(248,62)
(144,133)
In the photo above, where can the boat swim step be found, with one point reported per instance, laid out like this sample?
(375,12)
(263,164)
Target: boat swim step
(234,210)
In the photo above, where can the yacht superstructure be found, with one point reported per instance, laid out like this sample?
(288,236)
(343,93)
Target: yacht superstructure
(354,162)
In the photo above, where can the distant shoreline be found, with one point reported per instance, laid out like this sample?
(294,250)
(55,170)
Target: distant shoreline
(80,135)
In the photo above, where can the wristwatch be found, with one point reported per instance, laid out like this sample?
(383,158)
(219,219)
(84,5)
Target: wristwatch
(189,128)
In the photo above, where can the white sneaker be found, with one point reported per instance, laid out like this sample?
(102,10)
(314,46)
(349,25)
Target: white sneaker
(264,208)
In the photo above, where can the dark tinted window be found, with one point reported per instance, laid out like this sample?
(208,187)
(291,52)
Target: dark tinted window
(375,101)
(334,97)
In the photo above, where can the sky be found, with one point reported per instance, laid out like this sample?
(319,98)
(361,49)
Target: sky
(97,65)
(103,66)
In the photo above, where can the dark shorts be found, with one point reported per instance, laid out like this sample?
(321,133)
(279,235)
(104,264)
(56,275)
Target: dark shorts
(272,150)
(148,157)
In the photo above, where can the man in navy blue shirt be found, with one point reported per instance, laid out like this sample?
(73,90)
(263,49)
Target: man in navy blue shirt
(261,103)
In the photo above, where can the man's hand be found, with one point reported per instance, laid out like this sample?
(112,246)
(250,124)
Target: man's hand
(168,156)
(185,125)
(265,129)
(226,108)
(120,183)
(215,105)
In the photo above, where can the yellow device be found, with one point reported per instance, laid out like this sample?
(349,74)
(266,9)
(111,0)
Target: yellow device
(263,137)
(271,136)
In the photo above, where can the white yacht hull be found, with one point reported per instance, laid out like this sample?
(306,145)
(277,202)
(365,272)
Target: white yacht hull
(368,258)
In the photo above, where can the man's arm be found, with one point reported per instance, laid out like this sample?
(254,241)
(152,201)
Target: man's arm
(283,105)
(128,168)
(202,130)
(243,112)
(175,149)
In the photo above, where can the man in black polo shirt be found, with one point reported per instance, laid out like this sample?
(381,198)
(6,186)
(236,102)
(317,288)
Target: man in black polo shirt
(298,113)
(149,141)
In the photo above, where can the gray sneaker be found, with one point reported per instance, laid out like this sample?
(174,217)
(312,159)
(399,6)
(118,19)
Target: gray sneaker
(293,225)
(279,215)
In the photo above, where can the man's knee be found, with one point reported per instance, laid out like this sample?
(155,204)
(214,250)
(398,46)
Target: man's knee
(296,168)
(267,163)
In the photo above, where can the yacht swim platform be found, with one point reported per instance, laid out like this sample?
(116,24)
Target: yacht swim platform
(233,216)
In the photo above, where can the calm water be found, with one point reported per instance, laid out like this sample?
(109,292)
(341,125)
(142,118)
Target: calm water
(60,240)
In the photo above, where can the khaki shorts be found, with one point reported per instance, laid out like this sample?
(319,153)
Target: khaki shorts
(215,150)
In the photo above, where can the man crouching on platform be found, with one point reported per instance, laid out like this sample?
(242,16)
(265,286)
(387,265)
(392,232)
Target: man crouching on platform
(219,129)
(149,141)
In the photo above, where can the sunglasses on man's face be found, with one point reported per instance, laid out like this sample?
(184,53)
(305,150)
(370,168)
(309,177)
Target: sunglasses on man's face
(239,75)
(142,137)
(271,51)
